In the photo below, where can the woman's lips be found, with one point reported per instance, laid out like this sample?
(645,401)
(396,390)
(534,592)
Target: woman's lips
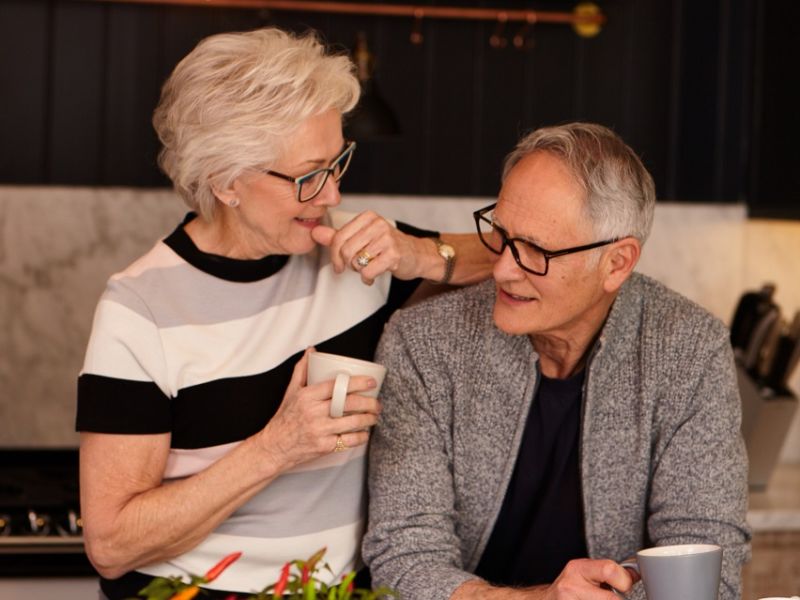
(308,223)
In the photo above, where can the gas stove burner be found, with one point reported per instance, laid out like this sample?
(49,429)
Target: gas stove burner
(40,525)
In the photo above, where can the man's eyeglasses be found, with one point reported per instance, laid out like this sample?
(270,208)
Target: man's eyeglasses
(308,186)
(529,256)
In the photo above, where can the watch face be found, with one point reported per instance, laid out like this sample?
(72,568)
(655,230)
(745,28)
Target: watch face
(446,251)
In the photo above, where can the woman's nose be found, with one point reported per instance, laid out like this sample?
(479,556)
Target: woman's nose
(329,195)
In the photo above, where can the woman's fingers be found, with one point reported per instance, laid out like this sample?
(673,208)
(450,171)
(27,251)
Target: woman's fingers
(354,422)
(373,238)
(299,373)
(324,389)
(352,439)
(351,234)
(362,404)
(302,429)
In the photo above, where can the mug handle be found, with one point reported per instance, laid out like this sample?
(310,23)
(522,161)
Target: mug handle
(628,564)
(339,394)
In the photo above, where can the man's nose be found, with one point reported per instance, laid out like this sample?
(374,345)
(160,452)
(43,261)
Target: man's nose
(506,267)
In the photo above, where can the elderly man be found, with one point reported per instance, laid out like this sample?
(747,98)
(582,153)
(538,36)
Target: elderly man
(541,427)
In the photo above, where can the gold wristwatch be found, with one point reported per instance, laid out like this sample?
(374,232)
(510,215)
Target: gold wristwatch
(448,253)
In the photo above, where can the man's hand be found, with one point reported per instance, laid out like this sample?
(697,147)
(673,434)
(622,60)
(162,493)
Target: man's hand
(581,579)
(589,579)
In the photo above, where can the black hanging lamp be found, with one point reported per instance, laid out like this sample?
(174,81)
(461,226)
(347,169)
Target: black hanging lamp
(373,118)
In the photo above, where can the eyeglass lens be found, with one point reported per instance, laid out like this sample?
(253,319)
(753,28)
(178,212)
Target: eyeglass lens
(310,185)
(496,239)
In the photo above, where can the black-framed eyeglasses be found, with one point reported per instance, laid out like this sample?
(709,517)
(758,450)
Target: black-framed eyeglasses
(308,186)
(530,257)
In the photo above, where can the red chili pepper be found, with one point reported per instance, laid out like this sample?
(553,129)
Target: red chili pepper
(347,585)
(304,576)
(283,581)
(232,597)
(186,593)
(218,568)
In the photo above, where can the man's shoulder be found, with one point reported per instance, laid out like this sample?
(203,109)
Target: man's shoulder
(471,304)
(652,305)
(454,323)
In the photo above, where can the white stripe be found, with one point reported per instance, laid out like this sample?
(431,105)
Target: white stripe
(124,345)
(257,344)
(262,559)
(210,352)
(160,256)
(184,463)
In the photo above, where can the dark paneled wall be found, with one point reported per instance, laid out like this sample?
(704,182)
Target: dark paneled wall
(673,77)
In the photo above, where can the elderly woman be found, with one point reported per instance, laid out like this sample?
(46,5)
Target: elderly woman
(199,434)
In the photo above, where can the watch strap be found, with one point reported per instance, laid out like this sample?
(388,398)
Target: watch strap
(447,252)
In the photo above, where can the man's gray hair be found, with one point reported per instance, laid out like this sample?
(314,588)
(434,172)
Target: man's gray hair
(620,193)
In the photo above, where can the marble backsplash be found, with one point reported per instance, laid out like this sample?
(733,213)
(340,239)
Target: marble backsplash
(59,245)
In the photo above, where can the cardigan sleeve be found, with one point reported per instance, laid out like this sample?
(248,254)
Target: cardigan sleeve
(699,484)
(411,544)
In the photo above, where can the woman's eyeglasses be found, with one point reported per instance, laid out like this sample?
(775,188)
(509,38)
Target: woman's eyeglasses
(308,186)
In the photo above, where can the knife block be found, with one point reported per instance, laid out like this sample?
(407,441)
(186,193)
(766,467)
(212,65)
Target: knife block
(766,418)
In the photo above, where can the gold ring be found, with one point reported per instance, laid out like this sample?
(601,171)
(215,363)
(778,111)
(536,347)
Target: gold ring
(363,258)
(340,447)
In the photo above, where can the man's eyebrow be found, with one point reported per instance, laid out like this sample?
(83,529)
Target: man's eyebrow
(525,238)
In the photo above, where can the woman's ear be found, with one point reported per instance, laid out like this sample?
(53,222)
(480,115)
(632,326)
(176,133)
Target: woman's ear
(620,261)
(227,195)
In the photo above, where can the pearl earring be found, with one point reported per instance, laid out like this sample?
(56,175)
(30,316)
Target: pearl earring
(233,203)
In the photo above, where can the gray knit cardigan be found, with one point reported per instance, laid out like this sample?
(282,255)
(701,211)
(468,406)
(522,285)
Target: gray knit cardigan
(662,459)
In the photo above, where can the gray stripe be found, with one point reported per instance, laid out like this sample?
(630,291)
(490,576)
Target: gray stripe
(214,300)
(302,503)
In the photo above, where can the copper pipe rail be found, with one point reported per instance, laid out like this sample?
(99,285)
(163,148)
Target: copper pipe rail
(586,18)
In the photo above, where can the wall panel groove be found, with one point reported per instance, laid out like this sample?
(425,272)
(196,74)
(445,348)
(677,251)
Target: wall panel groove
(679,81)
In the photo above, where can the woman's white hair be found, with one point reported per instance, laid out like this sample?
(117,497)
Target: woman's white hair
(620,193)
(233,102)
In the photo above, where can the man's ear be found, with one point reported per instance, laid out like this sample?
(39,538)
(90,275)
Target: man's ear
(620,261)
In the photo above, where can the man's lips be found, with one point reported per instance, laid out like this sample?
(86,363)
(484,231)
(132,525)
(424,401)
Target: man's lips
(513,298)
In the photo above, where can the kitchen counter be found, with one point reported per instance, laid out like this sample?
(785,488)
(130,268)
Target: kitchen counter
(778,507)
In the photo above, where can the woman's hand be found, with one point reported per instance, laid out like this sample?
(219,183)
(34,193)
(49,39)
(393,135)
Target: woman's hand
(302,428)
(391,250)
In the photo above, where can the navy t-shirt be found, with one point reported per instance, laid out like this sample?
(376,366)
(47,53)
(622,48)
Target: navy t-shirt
(540,526)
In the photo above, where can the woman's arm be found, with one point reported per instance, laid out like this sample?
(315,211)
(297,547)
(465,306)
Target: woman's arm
(132,518)
(405,256)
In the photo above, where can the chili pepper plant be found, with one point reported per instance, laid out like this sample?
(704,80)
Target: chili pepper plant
(297,581)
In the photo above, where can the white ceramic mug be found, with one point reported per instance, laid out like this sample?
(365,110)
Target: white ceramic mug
(685,571)
(324,367)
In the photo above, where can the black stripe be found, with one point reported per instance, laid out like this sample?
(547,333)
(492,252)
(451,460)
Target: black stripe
(223,267)
(111,405)
(415,231)
(229,410)
(220,411)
